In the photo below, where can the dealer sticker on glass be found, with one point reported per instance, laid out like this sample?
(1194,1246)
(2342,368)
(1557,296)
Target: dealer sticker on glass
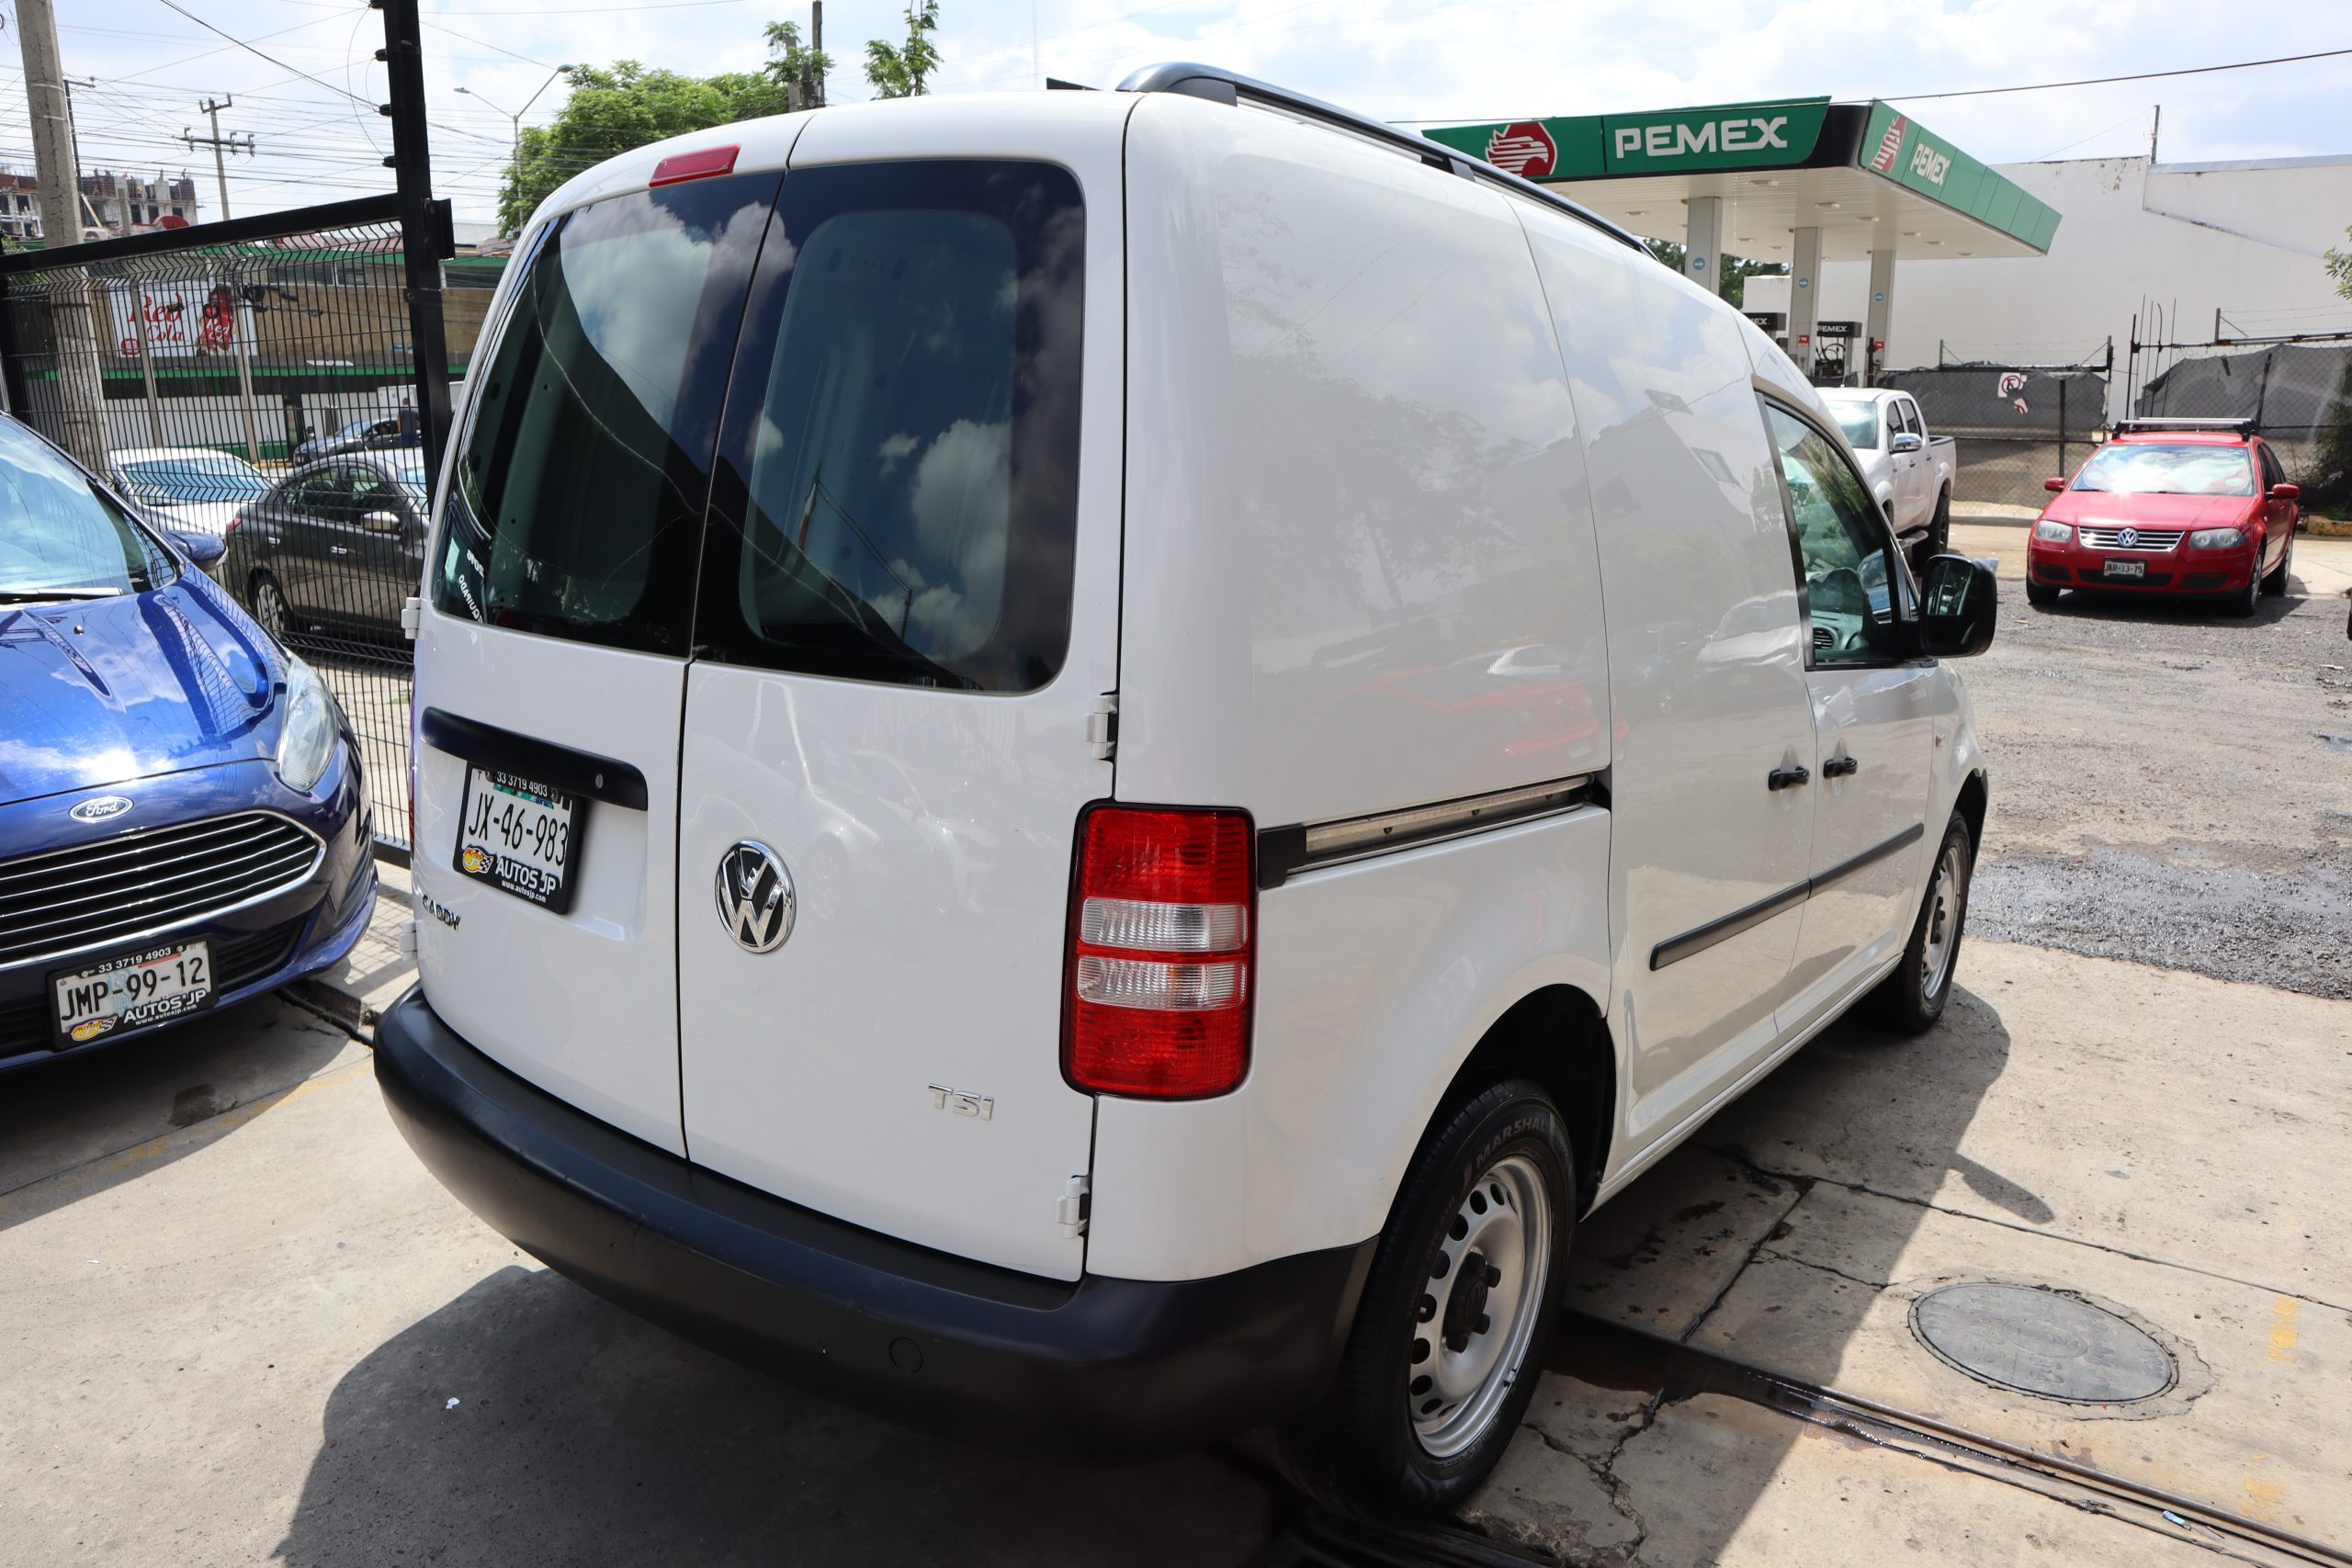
(520,836)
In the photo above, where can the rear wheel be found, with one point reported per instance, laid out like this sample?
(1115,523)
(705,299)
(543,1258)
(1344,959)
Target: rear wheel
(1911,1000)
(2040,593)
(1455,1317)
(270,608)
(2276,582)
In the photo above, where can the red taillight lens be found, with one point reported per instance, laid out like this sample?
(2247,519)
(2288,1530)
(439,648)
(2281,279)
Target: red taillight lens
(697,166)
(1163,935)
(234,524)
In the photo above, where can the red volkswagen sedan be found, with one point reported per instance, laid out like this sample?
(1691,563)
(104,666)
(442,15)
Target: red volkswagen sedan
(2170,506)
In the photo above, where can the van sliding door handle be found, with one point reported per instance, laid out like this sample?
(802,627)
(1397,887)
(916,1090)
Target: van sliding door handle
(1842,767)
(1787,778)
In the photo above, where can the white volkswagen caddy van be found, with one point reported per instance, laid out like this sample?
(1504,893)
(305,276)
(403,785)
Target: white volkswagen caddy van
(1086,763)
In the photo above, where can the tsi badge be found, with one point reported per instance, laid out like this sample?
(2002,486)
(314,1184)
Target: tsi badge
(755,897)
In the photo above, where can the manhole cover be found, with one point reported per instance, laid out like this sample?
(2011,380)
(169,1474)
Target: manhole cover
(2038,1341)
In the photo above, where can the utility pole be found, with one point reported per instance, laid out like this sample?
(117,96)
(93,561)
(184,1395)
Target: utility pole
(81,425)
(231,142)
(240,343)
(817,46)
(425,238)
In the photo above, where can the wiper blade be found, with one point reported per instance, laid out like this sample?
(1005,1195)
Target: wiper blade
(41,595)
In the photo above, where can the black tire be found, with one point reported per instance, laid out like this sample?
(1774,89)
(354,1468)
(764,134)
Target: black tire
(270,608)
(1940,531)
(2276,583)
(2246,601)
(2040,593)
(1910,1001)
(1359,1450)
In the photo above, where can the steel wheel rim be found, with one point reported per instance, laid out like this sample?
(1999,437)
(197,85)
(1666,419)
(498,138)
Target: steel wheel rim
(1945,899)
(1459,1375)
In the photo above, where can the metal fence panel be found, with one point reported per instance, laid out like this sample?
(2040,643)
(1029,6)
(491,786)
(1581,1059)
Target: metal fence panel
(2014,425)
(2299,396)
(261,392)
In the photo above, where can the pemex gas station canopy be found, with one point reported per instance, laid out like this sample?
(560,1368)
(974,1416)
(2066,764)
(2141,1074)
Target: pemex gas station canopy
(1865,176)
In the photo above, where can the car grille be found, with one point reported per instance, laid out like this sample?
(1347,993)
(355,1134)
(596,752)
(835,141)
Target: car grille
(118,889)
(2152,540)
(238,961)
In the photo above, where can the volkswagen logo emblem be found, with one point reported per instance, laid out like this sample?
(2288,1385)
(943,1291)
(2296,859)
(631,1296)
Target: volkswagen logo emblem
(2128,538)
(755,898)
(104,808)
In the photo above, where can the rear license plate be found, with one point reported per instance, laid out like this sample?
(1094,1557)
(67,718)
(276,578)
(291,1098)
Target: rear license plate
(520,836)
(2123,569)
(140,987)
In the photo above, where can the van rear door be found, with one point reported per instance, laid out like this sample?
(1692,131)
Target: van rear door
(551,660)
(908,619)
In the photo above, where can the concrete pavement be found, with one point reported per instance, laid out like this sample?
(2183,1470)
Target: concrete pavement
(236,1339)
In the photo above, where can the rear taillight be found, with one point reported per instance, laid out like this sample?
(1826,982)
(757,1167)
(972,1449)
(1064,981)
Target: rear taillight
(1163,934)
(234,524)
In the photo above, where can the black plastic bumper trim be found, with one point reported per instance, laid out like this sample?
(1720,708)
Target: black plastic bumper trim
(1102,1369)
(543,761)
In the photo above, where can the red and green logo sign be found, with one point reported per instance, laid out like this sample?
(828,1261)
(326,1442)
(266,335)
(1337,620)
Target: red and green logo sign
(1523,147)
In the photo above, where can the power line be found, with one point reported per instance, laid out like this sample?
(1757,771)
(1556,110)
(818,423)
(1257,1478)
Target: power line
(241,43)
(2103,81)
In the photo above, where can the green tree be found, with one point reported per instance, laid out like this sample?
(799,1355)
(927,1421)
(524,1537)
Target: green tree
(801,69)
(899,73)
(611,109)
(2333,488)
(1732,274)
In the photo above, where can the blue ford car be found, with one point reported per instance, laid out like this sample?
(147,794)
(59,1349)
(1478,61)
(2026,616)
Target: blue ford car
(182,821)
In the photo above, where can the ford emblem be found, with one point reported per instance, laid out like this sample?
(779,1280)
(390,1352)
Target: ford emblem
(104,808)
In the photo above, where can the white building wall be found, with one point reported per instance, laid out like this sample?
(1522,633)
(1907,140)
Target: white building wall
(2170,242)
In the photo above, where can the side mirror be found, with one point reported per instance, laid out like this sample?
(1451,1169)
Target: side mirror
(1958,605)
(2285,491)
(1904,442)
(201,550)
(2053,484)
(380,522)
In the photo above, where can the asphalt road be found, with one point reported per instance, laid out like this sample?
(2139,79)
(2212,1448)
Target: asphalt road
(2171,785)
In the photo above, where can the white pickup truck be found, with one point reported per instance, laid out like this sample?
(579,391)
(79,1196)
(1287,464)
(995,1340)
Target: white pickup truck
(1910,471)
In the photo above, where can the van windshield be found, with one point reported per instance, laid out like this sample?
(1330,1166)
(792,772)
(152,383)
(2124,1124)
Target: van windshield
(575,508)
(898,472)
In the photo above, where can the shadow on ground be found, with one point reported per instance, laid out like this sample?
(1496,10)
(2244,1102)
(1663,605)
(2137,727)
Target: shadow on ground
(582,1434)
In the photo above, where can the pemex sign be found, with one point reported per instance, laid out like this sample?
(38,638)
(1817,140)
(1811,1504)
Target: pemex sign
(1780,133)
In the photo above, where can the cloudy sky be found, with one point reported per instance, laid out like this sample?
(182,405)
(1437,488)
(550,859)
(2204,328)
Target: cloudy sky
(1403,59)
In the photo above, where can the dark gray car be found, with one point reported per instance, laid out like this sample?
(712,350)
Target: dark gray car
(335,547)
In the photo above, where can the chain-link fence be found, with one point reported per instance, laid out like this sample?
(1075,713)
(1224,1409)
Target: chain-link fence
(2013,424)
(261,392)
(2299,396)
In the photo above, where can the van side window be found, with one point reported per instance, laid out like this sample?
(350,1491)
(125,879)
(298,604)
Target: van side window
(575,507)
(1841,546)
(897,486)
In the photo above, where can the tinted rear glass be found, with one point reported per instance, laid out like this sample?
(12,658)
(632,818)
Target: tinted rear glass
(575,508)
(897,492)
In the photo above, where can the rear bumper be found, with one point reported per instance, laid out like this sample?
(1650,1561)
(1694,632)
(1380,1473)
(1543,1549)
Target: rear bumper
(1104,1369)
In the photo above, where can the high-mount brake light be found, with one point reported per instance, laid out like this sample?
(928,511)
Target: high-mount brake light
(1163,935)
(699,166)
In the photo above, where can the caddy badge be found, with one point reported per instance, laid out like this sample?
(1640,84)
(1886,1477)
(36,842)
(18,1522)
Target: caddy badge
(755,897)
(102,808)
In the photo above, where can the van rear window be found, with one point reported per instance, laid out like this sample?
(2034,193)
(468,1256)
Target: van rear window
(576,505)
(897,489)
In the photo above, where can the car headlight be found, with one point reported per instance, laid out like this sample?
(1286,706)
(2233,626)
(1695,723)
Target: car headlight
(2216,539)
(2053,533)
(306,739)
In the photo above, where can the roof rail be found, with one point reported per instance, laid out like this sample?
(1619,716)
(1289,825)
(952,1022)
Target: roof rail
(2160,422)
(1224,86)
